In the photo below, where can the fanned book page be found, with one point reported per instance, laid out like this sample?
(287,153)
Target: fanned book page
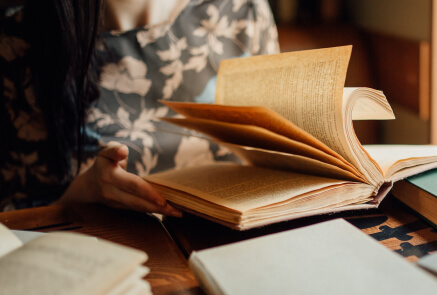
(289,113)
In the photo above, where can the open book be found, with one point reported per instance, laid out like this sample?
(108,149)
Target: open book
(289,117)
(69,263)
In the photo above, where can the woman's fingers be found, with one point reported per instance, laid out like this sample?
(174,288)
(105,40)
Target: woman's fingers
(114,151)
(123,199)
(136,185)
(119,188)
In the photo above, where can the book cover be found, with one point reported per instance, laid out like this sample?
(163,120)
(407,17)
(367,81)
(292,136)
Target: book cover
(419,192)
(426,181)
(331,257)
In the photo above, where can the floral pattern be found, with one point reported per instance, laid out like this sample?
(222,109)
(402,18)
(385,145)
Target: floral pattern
(176,60)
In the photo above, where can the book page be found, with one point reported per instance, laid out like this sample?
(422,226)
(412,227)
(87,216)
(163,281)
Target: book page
(240,188)
(8,241)
(305,87)
(256,116)
(400,161)
(67,263)
(371,105)
(131,283)
(364,104)
(253,136)
(293,163)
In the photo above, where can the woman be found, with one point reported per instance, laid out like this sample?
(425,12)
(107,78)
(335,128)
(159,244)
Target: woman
(66,97)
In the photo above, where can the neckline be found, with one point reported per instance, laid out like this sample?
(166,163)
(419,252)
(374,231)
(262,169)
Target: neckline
(178,10)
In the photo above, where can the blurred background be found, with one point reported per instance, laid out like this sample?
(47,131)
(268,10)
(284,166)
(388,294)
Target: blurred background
(392,51)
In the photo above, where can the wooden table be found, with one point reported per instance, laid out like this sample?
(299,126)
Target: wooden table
(393,225)
(169,273)
(169,243)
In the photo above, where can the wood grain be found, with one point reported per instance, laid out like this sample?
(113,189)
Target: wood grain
(169,271)
(393,225)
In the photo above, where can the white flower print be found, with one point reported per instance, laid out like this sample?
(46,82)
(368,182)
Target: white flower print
(272,45)
(148,162)
(199,60)
(128,76)
(30,125)
(141,127)
(101,119)
(174,69)
(264,18)
(28,164)
(237,4)
(213,28)
(193,151)
(145,37)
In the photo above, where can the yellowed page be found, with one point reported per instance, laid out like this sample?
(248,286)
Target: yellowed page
(240,188)
(364,104)
(294,163)
(254,136)
(305,87)
(256,116)
(400,161)
(370,105)
(8,241)
(66,263)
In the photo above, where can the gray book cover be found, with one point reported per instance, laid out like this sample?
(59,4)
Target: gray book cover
(332,257)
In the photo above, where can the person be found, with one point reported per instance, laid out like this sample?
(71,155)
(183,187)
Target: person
(80,85)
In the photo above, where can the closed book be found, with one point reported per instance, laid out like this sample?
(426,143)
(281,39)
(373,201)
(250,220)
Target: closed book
(419,192)
(333,257)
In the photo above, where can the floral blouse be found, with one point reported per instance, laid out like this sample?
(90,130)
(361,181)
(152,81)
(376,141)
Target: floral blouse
(175,60)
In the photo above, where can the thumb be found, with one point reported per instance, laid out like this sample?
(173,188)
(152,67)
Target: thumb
(114,151)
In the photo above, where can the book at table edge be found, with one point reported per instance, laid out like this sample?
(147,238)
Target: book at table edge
(342,249)
(423,185)
(426,181)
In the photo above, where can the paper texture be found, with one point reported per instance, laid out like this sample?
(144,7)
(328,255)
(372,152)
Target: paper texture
(328,258)
(429,263)
(8,241)
(404,160)
(242,188)
(67,263)
(289,112)
(26,236)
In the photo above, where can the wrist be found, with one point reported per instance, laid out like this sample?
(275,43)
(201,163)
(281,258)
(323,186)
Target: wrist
(78,190)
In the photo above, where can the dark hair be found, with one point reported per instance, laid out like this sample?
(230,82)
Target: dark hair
(63,38)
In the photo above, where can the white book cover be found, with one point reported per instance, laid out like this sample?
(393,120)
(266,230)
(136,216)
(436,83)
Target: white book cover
(332,257)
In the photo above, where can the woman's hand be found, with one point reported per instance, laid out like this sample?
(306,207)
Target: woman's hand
(107,181)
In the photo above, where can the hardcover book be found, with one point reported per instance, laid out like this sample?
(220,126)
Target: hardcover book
(419,192)
(331,257)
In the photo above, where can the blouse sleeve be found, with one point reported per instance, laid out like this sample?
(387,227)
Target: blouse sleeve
(265,39)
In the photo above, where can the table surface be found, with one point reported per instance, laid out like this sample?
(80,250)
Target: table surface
(169,273)
(169,243)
